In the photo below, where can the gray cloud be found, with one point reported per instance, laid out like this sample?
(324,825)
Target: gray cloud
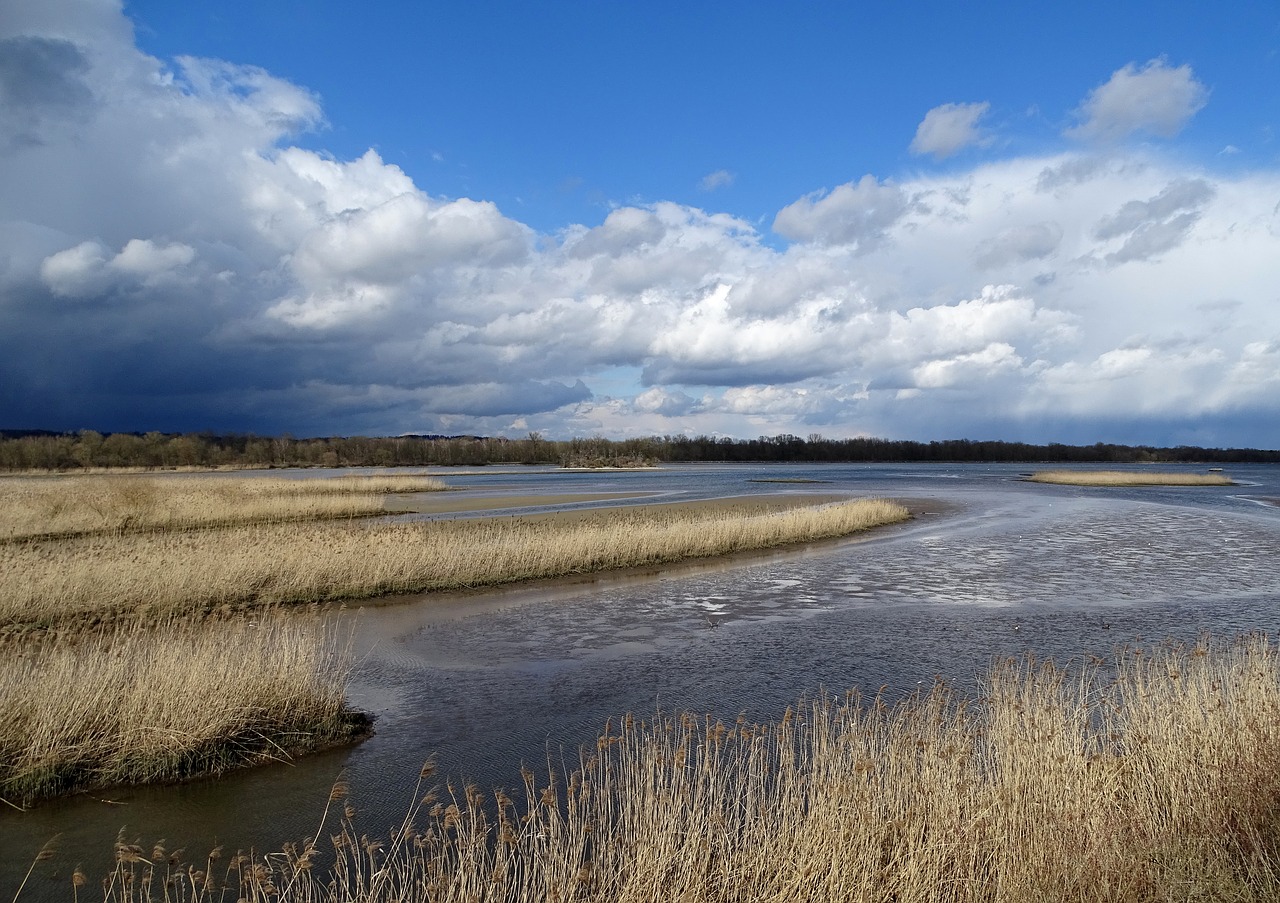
(1155,226)
(1073,171)
(856,214)
(1033,241)
(949,128)
(1179,197)
(42,87)
(481,399)
(1154,238)
(625,230)
(666,402)
(721,178)
(1157,99)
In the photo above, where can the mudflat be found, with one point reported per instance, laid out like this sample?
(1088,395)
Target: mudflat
(457,503)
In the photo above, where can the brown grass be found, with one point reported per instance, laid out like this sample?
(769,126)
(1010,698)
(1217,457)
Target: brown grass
(100,578)
(141,703)
(59,506)
(1160,782)
(1129,478)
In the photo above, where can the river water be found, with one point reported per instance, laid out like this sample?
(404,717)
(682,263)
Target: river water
(486,683)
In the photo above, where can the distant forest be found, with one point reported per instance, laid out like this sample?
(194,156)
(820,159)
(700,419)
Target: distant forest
(35,450)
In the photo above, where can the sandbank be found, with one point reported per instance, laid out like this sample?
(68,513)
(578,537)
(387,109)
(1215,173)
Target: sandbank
(1126,478)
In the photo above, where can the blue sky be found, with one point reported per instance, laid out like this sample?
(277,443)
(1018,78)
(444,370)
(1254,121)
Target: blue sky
(555,111)
(904,220)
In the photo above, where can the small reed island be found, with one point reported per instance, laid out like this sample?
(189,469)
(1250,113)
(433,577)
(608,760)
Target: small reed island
(1128,478)
(147,592)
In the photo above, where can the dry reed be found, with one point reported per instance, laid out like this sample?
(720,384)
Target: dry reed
(1128,478)
(52,583)
(1154,777)
(143,703)
(59,506)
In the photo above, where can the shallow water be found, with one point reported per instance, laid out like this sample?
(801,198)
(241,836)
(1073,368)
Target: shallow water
(486,683)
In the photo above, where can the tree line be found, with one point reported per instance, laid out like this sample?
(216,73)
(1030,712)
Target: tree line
(86,449)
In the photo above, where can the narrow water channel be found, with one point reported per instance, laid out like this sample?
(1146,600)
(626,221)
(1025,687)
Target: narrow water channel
(483,684)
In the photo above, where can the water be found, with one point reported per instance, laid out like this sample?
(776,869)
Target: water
(482,684)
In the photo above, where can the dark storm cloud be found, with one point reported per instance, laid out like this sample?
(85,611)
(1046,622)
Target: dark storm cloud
(42,84)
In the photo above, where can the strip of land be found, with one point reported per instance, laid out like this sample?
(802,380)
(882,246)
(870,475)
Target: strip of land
(1128,478)
(52,507)
(55,584)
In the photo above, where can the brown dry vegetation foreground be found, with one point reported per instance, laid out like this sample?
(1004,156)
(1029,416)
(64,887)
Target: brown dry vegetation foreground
(1155,777)
(1128,478)
(60,506)
(143,703)
(52,584)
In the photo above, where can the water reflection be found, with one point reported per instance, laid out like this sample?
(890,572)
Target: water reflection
(485,683)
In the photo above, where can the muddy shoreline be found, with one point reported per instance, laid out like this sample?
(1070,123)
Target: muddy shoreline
(464,602)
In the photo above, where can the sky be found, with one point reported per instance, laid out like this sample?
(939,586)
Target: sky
(1029,222)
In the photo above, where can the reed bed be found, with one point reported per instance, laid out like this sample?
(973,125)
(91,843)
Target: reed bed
(61,506)
(141,702)
(1151,778)
(1128,478)
(46,584)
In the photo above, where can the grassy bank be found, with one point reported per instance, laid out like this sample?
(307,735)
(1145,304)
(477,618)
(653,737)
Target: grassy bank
(61,506)
(1129,478)
(47,584)
(143,703)
(1152,777)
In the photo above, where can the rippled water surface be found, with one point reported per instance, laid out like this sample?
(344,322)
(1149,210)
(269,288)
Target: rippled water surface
(484,683)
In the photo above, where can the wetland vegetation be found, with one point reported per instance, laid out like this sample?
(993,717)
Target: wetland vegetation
(65,506)
(1129,478)
(141,621)
(146,702)
(1152,776)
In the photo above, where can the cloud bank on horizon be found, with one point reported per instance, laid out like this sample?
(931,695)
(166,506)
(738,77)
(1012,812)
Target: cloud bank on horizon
(173,257)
